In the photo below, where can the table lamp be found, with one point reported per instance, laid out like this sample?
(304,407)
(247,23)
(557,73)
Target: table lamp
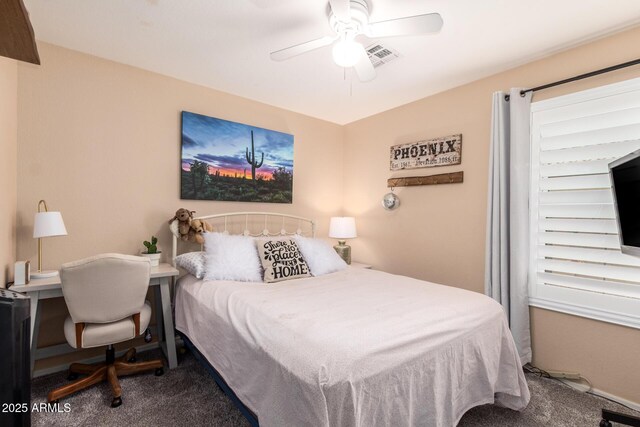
(46,224)
(343,227)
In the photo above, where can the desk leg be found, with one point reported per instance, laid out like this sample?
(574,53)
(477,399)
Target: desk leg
(159,316)
(169,331)
(35,326)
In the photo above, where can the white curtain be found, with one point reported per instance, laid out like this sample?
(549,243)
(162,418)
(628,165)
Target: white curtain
(507,251)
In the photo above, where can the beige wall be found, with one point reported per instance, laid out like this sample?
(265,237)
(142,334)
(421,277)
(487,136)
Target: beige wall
(100,141)
(8,166)
(438,233)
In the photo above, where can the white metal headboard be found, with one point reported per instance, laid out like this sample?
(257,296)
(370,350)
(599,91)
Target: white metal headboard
(253,220)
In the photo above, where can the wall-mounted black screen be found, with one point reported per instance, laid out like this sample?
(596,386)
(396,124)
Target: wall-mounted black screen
(626,186)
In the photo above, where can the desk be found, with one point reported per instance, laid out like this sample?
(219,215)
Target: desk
(161,277)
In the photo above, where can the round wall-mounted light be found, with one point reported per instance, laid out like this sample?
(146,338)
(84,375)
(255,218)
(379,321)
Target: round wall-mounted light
(390,201)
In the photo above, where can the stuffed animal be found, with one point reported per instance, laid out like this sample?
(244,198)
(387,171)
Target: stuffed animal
(183,217)
(198,227)
(194,237)
(201,226)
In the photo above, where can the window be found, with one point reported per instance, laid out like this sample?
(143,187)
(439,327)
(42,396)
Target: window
(575,261)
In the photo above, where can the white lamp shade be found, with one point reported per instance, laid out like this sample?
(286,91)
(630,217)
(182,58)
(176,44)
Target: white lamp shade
(342,227)
(48,224)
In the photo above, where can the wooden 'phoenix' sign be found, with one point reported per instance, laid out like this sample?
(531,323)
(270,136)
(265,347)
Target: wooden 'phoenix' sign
(443,151)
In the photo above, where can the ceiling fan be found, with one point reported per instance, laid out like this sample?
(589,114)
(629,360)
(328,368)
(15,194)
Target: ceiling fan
(350,18)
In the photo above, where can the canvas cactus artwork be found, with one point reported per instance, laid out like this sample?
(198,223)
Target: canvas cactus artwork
(228,161)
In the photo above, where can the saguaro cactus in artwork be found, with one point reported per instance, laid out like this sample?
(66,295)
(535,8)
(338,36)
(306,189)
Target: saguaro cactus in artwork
(251,159)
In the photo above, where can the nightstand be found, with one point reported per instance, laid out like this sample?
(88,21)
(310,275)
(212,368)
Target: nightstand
(360,265)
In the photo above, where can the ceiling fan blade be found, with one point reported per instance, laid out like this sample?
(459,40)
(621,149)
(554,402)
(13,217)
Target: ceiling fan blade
(341,9)
(364,67)
(290,52)
(412,25)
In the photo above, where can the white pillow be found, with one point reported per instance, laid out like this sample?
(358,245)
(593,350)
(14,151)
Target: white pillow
(320,256)
(193,262)
(231,257)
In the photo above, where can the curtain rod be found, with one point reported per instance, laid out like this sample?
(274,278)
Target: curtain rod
(579,77)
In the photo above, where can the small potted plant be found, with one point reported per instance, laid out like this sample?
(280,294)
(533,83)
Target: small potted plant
(152,251)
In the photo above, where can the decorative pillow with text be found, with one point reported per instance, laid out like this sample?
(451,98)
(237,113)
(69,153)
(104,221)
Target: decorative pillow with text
(281,260)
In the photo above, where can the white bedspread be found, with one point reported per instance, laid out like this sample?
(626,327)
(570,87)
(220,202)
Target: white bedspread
(354,348)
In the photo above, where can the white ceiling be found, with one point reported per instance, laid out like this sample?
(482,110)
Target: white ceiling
(225,44)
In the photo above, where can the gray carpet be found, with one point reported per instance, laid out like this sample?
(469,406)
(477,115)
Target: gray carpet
(188,396)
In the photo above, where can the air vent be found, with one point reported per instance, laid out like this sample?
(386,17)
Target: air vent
(380,55)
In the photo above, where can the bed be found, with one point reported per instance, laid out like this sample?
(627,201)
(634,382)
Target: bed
(352,348)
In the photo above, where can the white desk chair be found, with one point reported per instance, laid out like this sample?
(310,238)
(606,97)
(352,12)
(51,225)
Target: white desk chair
(105,295)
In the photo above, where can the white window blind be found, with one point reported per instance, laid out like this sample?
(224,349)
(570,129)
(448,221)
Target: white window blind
(575,261)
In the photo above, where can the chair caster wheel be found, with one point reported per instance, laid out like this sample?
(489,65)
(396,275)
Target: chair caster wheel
(132,360)
(159,372)
(605,423)
(72,376)
(117,401)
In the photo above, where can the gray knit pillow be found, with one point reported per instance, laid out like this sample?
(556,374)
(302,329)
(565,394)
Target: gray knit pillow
(193,262)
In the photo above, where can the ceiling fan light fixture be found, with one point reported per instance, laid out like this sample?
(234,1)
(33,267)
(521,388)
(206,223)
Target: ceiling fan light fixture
(346,52)
(349,19)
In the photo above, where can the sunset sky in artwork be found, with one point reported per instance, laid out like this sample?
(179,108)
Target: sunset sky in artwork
(222,145)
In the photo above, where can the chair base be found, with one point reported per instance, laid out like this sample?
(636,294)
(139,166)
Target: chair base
(109,371)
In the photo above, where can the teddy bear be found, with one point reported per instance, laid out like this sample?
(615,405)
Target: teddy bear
(198,227)
(180,224)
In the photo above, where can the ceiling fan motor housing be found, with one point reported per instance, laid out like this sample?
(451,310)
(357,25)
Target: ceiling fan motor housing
(359,12)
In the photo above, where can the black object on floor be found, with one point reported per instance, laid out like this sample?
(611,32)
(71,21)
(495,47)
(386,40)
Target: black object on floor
(15,361)
(616,417)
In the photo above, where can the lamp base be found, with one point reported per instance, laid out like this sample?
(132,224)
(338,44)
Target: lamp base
(344,251)
(44,274)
